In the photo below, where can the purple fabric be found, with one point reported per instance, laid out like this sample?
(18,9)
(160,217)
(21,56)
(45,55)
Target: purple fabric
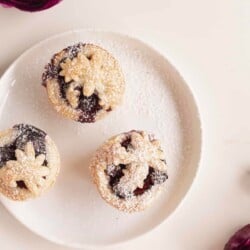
(240,240)
(30,5)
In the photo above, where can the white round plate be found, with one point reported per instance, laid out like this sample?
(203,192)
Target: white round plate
(157,99)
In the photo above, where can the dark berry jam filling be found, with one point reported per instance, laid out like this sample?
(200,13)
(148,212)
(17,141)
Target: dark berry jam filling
(127,143)
(21,184)
(89,107)
(148,183)
(7,153)
(73,50)
(154,177)
(51,71)
(26,133)
(115,173)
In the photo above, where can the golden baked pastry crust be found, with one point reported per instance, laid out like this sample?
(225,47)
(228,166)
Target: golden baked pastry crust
(129,170)
(27,168)
(84,82)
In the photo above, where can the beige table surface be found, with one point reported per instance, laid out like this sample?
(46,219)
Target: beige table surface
(209,43)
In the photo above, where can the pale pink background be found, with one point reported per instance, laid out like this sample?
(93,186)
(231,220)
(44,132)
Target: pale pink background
(208,41)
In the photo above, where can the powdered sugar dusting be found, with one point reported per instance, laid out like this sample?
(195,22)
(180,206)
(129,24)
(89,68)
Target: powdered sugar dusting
(84,82)
(139,166)
(156,100)
(134,177)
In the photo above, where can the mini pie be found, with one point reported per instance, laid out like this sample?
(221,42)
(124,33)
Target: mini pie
(29,162)
(84,82)
(130,170)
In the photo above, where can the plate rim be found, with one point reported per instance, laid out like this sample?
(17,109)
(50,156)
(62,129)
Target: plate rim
(200,134)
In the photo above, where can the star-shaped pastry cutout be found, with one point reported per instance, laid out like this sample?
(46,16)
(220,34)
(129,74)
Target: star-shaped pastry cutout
(26,168)
(142,150)
(84,72)
(141,153)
